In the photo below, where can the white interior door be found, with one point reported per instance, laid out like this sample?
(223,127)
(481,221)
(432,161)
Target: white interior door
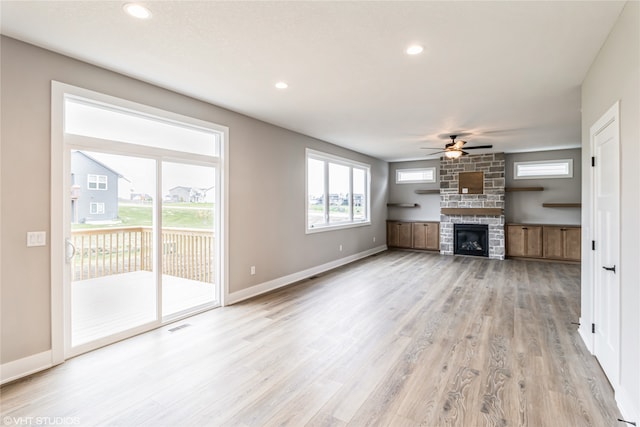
(605,144)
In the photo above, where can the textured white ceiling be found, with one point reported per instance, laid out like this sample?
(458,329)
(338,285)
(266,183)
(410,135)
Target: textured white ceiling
(508,73)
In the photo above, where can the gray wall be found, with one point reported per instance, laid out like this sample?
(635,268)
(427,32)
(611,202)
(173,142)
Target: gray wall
(526,206)
(267,194)
(615,76)
(429,209)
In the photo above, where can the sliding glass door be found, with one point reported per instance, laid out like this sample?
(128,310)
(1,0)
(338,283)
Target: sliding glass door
(142,217)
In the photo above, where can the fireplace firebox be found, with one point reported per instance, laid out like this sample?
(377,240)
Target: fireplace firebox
(471,239)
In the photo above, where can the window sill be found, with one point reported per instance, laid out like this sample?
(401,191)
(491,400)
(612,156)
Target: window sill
(334,227)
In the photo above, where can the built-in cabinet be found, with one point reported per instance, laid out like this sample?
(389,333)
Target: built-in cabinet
(553,242)
(523,240)
(426,235)
(413,235)
(399,234)
(562,243)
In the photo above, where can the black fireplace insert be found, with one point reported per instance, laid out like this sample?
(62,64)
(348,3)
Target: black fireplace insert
(471,239)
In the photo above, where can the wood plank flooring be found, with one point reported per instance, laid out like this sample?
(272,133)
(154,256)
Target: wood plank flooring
(397,339)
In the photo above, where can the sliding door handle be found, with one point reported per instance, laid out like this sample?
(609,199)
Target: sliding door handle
(610,268)
(70,250)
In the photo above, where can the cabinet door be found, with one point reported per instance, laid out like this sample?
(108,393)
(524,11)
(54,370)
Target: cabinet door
(433,236)
(533,239)
(553,242)
(420,231)
(515,240)
(562,243)
(399,234)
(524,241)
(572,243)
(426,235)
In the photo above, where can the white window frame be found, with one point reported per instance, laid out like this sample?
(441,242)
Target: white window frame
(351,164)
(96,180)
(99,208)
(415,181)
(569,173)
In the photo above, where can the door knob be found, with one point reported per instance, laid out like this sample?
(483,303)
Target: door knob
(610,268)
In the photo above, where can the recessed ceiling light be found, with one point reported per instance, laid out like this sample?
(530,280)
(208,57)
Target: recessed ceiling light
(414,49)
(281,85)
(137,10)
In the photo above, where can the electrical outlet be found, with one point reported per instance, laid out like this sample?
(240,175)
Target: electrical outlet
(374,239)
(253,270)
(340,248)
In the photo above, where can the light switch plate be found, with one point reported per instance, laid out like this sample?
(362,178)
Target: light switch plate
(36,238)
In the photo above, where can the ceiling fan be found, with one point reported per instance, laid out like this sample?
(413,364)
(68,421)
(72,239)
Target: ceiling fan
(453,149)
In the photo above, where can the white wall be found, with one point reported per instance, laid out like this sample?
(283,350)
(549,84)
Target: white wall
(267,194)
(526,206)
(615,75)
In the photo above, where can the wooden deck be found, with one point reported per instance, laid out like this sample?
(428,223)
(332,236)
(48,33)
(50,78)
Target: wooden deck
(110,304)
(398,339)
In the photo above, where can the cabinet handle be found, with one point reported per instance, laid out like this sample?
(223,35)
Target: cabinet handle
(524,228)
(563,229)
(426,225)
(610,268)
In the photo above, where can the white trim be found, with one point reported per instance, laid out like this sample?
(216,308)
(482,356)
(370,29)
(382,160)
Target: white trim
(569,173)
(612,115)
(280,282)
(585,334)
(17,369)
(59,163)
(416,181)
(625,404)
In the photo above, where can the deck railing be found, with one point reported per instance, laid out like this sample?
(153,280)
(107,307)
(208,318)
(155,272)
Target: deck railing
(186,253)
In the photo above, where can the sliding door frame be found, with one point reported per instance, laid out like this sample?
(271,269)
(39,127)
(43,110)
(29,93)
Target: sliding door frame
(61,146)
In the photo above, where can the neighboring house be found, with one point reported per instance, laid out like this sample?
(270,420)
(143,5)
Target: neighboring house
(188,194)
(94,190)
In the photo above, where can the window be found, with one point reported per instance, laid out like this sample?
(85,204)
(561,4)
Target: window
(96,182)
(337,192)
(543,169)
(96,208)
(412,176)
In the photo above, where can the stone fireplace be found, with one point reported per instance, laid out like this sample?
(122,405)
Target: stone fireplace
(485,208)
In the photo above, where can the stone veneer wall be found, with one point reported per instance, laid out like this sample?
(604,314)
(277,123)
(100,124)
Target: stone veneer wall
(493,167)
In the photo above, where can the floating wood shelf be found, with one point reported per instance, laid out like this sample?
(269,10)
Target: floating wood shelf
(472,211)
(403,205)
(510,189)
(562,205)
(436,191)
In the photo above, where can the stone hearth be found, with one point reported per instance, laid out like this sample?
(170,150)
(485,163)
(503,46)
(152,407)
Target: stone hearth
(492,165)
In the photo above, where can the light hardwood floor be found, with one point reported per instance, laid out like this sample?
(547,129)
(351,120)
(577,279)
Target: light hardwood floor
(397,339)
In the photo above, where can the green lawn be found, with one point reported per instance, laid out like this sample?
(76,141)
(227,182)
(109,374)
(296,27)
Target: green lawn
(179,215)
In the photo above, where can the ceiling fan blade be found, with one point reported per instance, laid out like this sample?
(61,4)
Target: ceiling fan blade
(478,147)
(430,148)
(437,152)
(464,153)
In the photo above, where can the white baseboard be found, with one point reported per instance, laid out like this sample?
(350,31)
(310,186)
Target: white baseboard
(274,284)
(26,366)
(630,410)
(586,335)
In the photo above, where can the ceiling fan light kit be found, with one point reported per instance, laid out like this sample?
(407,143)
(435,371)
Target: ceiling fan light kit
(453,150)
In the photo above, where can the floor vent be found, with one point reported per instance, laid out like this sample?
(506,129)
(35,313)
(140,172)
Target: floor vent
(177,328)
